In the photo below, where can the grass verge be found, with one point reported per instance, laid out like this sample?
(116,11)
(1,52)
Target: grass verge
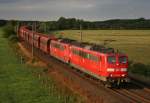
(20,83)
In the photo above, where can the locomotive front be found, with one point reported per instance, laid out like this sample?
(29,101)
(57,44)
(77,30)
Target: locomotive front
(117,68)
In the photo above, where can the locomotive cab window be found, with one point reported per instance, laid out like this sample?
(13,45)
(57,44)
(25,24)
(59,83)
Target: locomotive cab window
(111,59)
(122,60)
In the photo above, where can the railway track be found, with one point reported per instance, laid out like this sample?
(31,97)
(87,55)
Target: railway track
(130,93)
(140,85)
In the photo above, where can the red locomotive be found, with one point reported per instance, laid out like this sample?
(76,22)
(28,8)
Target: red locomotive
(98,61)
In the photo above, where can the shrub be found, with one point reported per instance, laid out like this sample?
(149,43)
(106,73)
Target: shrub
(139,68)
(13,38)
(8,30)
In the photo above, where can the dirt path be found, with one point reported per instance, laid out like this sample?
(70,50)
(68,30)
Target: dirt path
(28,54)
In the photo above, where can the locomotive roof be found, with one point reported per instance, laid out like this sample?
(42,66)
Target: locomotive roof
(89,46)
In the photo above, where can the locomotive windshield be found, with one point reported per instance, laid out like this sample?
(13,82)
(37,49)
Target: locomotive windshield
(123,60)
(111,59)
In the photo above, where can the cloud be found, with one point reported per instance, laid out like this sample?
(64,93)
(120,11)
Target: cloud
(85,9)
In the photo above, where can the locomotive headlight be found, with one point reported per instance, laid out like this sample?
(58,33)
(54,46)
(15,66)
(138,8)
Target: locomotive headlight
(110,69)
(123,69)
(123,75)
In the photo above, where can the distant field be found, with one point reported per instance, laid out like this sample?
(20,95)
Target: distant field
(135,43)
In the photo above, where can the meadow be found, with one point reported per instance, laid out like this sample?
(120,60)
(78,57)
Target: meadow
(134,43)
(19,83)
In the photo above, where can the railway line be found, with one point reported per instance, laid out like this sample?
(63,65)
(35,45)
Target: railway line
(141,85)
(133,93)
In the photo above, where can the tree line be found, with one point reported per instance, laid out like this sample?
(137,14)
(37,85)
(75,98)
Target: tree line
(74,24)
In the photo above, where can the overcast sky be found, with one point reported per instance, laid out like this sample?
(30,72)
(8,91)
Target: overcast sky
(82,9)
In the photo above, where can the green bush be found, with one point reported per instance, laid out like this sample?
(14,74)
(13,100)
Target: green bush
(8,31)
(13,38)
(141,69)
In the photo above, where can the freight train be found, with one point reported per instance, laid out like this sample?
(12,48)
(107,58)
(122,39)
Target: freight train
(98,61)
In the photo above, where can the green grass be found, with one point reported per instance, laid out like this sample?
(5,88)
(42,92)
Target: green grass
(19,83)
(135,43)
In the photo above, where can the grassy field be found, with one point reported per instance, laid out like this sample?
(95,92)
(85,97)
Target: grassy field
(19,83)
(135,43)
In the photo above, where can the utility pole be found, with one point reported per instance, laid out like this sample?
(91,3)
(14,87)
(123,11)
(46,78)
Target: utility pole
(32,42)
(33,29)
(35,26)
(17,29)
(81,32)
(45,27)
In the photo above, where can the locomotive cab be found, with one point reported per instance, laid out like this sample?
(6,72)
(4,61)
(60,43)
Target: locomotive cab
(117,68)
